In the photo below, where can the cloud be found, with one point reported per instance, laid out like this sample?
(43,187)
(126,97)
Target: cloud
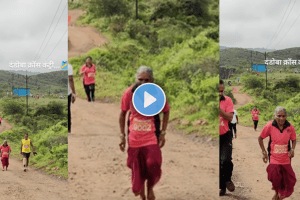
(23,27)
(255,23)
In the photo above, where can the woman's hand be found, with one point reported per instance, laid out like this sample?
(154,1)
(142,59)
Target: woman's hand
(162,140)
(265,156)
(291,153)
(122,143)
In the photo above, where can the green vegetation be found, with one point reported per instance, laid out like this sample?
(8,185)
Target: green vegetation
(281,92)
(54,83)
(177,38)
(46,124)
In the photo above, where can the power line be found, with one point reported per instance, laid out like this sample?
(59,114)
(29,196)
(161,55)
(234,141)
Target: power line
(48,30)
(53,29)
(278,28)
(288,30)
(285,20)
(57,44)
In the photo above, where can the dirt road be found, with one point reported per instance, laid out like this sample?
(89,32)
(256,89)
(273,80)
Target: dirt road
(31,185)
(97,168)
(249,173)
(82,38)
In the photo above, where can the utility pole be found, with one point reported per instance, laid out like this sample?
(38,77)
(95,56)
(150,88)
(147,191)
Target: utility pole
(26,79)
(266,71)
(137,9)
(12,83)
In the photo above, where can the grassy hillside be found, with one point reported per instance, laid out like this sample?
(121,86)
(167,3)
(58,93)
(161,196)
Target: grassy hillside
(177,38)
(238,57)
(46,124)
(53,82)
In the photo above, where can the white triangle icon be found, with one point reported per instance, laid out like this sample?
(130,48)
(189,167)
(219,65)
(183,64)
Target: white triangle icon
(148,99)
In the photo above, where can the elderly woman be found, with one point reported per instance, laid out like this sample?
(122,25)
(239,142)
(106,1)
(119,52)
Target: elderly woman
(4,154)
(144,154)
(280,171)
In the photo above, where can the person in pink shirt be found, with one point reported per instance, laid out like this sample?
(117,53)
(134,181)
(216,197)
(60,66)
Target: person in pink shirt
(88,71)
(280,171)
(0,120)
(255,113)
(144,154)
(4,154)
(226,165)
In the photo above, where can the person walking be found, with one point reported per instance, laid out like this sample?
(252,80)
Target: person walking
(5,151)
(88,71)
(233,123)
(255,113)
(71,95)
(280,153)
(226,165)
(144,154)
(26,143)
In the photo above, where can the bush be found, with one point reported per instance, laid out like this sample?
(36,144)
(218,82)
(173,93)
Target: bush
(12,107)
(253,82)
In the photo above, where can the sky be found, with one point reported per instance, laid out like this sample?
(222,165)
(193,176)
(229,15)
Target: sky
(271,24)
(27,37)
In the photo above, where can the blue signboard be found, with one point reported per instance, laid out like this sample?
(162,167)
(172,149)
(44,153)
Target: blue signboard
(21,92)
(259,68)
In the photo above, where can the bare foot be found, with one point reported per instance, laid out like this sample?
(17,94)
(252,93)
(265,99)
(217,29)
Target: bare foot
(141,194)
(150,195)
(275,197)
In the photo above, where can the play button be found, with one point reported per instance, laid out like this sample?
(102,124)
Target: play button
(149,99)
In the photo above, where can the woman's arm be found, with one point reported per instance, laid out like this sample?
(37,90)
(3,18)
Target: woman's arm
(264,152)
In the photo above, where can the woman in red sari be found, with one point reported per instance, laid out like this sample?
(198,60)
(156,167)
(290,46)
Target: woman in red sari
(144,154)
(280,171)
(4,154)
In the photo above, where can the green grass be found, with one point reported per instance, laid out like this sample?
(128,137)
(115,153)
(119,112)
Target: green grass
(47,130)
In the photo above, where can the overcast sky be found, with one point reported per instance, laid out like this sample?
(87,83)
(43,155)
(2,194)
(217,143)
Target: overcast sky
(255,23)
(23,27)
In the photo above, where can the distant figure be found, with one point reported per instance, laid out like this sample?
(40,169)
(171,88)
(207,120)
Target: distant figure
(4,154)
(88,71)
(255,113)
(280,153)
(0,120)
(26,150)
(71,95)
(232,125)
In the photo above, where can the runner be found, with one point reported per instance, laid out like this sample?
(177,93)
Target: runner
(4,154)
(144,154)
(226,165)
(255,113)
(232,124)
(71,95)
(88,71)
(26,143)
(280,171)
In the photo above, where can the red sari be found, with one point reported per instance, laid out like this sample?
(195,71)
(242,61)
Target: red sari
(5,155)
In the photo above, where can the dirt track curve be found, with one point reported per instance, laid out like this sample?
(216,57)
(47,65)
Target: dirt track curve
(97,168)
(249,173)
(31,185)
(82,38)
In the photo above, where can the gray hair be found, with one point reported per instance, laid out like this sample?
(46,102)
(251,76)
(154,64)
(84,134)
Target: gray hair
(143,69)
(279,109)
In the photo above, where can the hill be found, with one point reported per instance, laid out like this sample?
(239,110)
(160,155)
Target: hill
(239,57)
(178,39)
(43,84)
